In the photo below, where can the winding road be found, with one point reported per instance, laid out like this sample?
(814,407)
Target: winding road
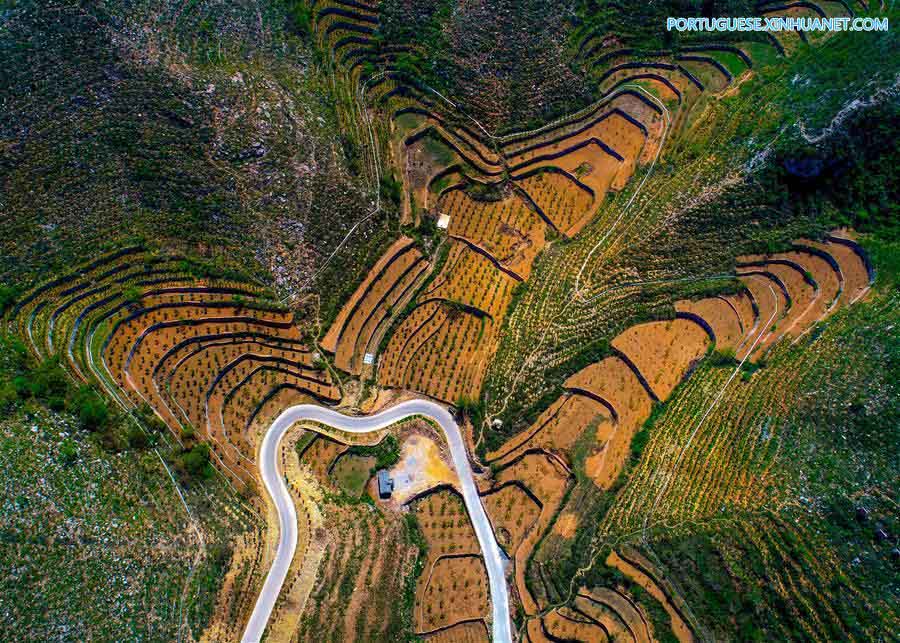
(287,514)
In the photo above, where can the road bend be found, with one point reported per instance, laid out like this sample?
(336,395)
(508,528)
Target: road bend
(287,514)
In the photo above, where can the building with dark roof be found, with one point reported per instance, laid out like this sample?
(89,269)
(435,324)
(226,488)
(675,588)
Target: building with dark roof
(385,485)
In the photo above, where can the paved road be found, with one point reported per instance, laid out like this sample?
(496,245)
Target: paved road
(287,515)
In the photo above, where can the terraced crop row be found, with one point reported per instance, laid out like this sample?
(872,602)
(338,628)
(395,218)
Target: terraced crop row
(453,586)
(589,430)
(355,334)
(197,350)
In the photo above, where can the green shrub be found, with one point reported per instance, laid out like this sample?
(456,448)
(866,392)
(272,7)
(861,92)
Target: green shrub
(722,358)
(67,451)
(194,462)
(391,190)
(92,411)
(132,295)
(137,439)
(8,295)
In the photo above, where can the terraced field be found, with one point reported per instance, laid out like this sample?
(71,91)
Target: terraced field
(651,274)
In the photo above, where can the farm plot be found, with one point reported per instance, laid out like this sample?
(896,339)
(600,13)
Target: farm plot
(414,331)
(720,315)
(366,559)
(853,274)
(641,571)
(566,624)
(319,454)
(472,632)
(614,135)
(617,612)
(506,229)
(453,585)
(456,590)
(547,480)
(731,460)
(513,513)
(153,334)
(380,272)
(567,204)
(807,302)
(613,381)
(359,343)
(557,429)
(473,280)
(662,352)
(819,270)
(451,363)
(443,347)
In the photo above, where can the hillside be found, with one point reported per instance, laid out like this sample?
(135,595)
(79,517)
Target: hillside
(639,285)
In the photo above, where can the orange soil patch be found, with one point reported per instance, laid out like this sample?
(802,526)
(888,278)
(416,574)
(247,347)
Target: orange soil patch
(471,632)
(445,524)
(374,306)
(512,514)
(853,270)
(204,320)
(827,280)
(510,231)
(663,351)
(566,524)
(414,331)
(192,380)
(535,632)
(434,368)
(456,590)
(519,146)
(329,342)
(475,281)
(447,358)
(642,578)
(563,624)
(592,166)
(612,380)
(770,301)
(613,130)
(802,297)
(721,317)
(556,429)
(180,395)
(421,467)
(743,305)
(619,614)
(548,481)
(446,527)
(809,304)
(569,206)
(319,454)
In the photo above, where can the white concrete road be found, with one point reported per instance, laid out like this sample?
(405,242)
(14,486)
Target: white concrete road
(287,516)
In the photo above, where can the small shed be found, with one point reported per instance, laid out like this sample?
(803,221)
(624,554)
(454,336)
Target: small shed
(385,485)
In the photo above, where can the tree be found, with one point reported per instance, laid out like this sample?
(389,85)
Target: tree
(194,462)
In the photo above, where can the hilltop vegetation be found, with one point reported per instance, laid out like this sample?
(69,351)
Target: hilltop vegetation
(209,130)
(655,273)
